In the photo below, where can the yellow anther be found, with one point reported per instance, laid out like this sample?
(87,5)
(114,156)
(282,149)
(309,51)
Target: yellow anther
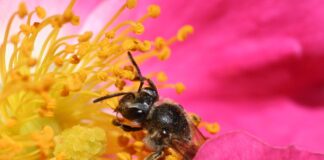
(102,54)
(58,61)
(154,11)
(184,32)
(138,146)
(74,59)
(124,139)
(171,157)
(69,48)
(164,54)
(120,84)
(123,156)
(129,68)
(159,43)
(145,46)
(65,91)
(179,87)
(110,34)
(212,128)
(75,20)
(15,39)
(74,83)
(162,77)
(195,119)
(41,12)
(131,4)
(25,28)
(129,44)
(68,15)
(22,10)
(57,21)
(85,37)
(31,62)
(137,28)
(102,76)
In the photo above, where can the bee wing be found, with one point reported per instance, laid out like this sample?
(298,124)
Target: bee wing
(186,149)
(189,148)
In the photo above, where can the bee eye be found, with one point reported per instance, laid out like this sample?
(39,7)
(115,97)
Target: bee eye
(134,114)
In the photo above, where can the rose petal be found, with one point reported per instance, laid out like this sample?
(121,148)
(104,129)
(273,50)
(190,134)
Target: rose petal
(243,146)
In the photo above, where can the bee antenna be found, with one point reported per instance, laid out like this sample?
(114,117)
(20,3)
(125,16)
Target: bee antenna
(139,74)
(109,96)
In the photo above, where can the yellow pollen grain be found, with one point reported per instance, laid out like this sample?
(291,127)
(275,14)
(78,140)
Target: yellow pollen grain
(85,36)
(131,4)
(123,156)
(22,10)
(144,46)
(58,61)
(184,32)
(129,44)
(137,28)
(159,43)
(41,12)
(212,128)
(180,87)
(162,77)
(110,34)
(154,11)
(164,54)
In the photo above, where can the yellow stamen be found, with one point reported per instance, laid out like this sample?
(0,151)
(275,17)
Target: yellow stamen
(46,95)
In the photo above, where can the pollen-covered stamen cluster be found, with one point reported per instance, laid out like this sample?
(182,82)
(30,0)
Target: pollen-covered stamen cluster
(46,92)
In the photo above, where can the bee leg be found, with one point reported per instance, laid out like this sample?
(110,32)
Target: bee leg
(155,155)
(125,127)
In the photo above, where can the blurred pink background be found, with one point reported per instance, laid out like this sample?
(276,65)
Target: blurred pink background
(251,65)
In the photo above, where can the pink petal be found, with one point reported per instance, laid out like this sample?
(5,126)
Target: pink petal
(252,65)
(242,146)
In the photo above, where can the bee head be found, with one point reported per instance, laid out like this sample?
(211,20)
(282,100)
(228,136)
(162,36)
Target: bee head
(135,106)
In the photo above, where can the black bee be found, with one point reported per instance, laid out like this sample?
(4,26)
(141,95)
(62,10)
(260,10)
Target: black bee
(167,123)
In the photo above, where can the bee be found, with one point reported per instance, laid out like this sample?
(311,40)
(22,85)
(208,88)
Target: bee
(166,123)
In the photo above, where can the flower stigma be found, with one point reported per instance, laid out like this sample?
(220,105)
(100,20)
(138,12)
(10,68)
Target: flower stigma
(46,109)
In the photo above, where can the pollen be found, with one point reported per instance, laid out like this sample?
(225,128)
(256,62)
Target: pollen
(22,10)
(131,4)
(212,128)
(48,84)
(180,87)
(41,12)
(154,11)
(80,143)
(184,32)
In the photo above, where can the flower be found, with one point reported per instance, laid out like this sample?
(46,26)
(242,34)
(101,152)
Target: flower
(49,77)
(251,65)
